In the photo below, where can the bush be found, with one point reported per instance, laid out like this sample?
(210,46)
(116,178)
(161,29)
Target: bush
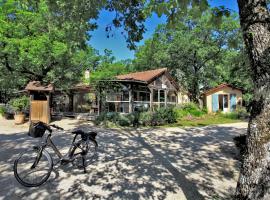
(145,118)
(19,104)
(242,113)
(190,109)
(159,117)
(3,110)
(232,115)
(114,117)
(123,121)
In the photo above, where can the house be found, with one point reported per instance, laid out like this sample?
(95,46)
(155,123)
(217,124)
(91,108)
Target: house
(224,98)
(80,98)
(46,100)
(145,90)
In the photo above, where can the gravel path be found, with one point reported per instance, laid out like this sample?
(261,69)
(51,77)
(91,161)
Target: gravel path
(163,163)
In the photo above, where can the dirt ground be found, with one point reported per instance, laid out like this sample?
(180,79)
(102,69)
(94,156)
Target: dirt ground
(147,163)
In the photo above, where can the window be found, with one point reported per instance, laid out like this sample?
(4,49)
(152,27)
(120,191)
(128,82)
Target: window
(144,96)
(125,96)
(155,95)
(135,96)
(162,96)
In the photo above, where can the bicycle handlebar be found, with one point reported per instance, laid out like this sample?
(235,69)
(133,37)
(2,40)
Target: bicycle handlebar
(57,127)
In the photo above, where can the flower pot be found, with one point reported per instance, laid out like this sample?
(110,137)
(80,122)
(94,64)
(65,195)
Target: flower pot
(19,118)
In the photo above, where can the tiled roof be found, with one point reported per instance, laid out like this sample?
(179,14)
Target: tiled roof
(145,76)
(219,87)
(37,86)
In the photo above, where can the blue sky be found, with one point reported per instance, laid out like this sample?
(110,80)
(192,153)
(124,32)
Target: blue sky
(118,44)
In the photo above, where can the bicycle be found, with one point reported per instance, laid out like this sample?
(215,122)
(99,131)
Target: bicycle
(33,167)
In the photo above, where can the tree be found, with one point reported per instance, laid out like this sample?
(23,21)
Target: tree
(192,50)
(35,46)
(254,177)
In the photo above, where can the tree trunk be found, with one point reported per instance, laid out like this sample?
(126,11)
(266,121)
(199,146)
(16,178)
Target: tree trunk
(254,179)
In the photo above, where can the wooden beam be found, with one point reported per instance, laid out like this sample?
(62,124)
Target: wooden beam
(151,99)
(165,97)
(130,99)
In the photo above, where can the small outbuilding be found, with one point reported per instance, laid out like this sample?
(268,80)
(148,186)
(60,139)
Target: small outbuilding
(224,98)
(40,97)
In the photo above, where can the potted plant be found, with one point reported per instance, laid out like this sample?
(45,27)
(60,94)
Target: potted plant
(19,105)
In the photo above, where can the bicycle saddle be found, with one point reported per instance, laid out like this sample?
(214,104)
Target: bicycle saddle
(82,133)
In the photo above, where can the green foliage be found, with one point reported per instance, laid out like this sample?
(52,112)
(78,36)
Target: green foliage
(199,53)
(108,71)
(146,118)
(164,116)
(159,117)
(19,104)
(240,113)
(36,44)
(2,110)
(115,118)
(189,109)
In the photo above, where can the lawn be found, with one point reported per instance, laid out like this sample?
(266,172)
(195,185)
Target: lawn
(208,119)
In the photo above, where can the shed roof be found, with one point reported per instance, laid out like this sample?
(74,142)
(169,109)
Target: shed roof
(219,87)
(145,76)
(38,86)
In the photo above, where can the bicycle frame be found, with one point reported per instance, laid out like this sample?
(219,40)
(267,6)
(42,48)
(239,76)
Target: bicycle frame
(46,141)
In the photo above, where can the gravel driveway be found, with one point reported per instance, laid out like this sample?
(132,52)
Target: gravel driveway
(162,163)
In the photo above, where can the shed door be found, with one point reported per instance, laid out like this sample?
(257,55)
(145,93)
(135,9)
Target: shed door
(214,102)
(233,102)
(39,111)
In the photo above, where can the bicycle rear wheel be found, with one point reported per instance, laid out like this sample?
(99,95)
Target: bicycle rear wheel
(33,167)
(86,150)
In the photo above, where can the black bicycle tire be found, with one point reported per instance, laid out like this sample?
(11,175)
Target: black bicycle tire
(49,158)
(95,144)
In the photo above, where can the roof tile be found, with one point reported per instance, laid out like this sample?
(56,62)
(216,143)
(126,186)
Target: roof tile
(145,76)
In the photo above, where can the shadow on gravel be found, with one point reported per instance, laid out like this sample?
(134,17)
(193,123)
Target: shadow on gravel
(131,165)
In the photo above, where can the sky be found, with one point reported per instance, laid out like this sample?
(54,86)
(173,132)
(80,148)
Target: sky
(118,44)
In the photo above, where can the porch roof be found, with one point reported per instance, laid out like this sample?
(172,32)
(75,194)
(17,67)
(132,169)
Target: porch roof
(145,76)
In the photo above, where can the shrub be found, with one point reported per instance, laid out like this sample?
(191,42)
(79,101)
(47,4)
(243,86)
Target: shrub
(100,118)
(168,115)
(114,117)
(242,113)
(190,109)
(145,118)
(158,117)
(19,104)
(123,121)
(232,115)
(3,110)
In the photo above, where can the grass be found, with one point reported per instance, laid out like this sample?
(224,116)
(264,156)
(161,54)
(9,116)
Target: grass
(208,119)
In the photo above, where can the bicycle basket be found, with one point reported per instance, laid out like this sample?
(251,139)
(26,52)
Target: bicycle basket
(36,129)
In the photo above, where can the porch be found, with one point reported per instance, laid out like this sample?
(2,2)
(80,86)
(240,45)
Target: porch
(134,96)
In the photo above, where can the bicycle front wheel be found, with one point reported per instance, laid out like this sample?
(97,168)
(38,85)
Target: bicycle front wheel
(33,167)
